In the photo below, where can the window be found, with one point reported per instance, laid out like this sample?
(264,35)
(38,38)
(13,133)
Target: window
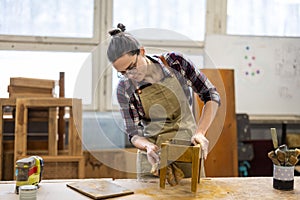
(161,26)
(184,17)
(263,18)
(57,18)
(39,39)
(47,65)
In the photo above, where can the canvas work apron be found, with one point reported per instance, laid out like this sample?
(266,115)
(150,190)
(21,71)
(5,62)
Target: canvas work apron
(167,115)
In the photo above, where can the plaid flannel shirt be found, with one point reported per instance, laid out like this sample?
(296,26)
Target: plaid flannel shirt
(189,77)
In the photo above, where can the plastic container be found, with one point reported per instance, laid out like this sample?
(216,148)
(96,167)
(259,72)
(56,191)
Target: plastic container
(27,192)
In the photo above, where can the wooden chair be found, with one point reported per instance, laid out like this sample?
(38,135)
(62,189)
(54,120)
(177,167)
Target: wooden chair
(74,151)
(21,87)
(35,98)
(180,153)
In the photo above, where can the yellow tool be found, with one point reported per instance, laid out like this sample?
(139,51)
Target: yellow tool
(29,171)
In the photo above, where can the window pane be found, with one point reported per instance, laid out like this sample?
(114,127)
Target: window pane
(265,18)
(185,17)
(47,65)
(58,18)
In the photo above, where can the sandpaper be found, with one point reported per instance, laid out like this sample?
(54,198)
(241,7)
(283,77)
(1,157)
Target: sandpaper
(99,189)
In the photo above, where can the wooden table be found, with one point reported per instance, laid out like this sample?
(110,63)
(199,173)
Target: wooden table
(209,188)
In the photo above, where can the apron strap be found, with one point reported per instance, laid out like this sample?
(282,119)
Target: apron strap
(162,58)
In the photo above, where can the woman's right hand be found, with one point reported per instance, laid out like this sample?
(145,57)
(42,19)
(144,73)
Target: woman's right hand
(152,153)
(144,144)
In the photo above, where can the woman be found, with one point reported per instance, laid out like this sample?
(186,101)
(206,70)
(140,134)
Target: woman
(155,99)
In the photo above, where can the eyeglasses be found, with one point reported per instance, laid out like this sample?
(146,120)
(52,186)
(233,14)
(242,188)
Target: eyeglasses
(130,70)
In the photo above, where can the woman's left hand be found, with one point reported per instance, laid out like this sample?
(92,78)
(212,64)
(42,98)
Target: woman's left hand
(199,138)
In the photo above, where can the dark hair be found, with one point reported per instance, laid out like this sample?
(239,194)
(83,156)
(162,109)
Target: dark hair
(120,28)
(121,43)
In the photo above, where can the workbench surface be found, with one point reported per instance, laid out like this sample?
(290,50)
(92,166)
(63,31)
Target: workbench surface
(209,188)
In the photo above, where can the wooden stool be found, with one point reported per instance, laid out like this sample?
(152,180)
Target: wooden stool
(180,153)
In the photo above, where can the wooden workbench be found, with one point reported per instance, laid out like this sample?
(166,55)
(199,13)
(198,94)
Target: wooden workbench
(209,188)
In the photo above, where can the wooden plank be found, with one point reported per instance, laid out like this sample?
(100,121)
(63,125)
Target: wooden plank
(7,102)
(99,189)
(81,168)
(32,82)
(62,158)
(180,153)
(20,148)
(29,90)
(36,95)
(195,167)
(32,146)
(61,128)
(75,128)
(163,165)
(71,134)
(61,113)
(67,158)
(76,114)
(48,102)
(52,132)
(34,113)
(61,84)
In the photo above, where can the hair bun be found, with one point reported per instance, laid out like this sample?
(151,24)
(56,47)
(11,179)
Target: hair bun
(115,31)
(120,28)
